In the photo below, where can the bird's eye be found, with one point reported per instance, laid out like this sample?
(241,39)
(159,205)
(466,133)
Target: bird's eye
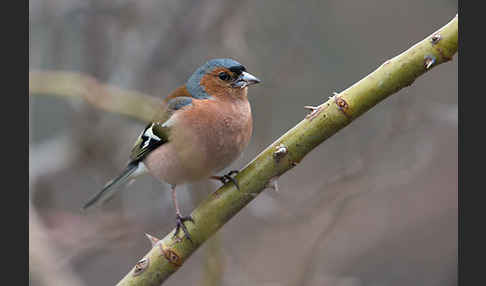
(224,76)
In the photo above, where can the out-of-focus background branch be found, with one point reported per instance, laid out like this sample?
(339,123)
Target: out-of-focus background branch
(384,212)
(105,97)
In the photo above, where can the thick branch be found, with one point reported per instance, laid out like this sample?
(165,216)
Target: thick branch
(168,254)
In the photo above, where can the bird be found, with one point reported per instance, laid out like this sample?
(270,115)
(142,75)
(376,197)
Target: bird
(206,124)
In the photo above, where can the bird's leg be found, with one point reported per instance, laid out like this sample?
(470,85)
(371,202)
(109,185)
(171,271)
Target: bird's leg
(227,178)
(179,218)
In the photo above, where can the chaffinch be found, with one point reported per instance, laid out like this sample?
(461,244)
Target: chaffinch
(207,125)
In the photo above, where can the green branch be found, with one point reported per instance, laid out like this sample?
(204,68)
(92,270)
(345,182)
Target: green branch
(168,254)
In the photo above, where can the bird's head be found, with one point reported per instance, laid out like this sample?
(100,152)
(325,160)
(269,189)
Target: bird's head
(220,78)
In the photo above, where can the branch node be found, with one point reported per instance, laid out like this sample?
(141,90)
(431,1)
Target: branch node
(343,106)
(435,39)
(280,152)
(141,265)
(170,255)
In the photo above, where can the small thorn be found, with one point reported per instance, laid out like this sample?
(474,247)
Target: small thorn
(153,240)
(314,110)
(273,184)
(310,107)
(429,61)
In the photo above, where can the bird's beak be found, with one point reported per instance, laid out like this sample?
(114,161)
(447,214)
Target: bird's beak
(245,79)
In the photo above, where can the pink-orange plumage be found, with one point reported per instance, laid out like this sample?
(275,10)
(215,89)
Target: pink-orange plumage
(209,124)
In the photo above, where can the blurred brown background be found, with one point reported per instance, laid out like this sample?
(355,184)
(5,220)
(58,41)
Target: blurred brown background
(376,204)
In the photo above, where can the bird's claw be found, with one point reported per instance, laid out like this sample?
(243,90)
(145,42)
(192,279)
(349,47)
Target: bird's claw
(180,224)
(228,178)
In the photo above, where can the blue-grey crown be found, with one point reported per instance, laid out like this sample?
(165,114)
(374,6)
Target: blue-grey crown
(193,86)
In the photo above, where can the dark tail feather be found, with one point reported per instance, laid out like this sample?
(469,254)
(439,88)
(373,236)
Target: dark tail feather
(110,188)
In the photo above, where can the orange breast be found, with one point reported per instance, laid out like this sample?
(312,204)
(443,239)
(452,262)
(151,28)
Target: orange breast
(217,133)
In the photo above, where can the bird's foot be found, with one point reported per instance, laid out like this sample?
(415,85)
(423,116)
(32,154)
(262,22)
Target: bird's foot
(228,178)
(180,224)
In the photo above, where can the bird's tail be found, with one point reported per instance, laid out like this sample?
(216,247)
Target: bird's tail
(111,188)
